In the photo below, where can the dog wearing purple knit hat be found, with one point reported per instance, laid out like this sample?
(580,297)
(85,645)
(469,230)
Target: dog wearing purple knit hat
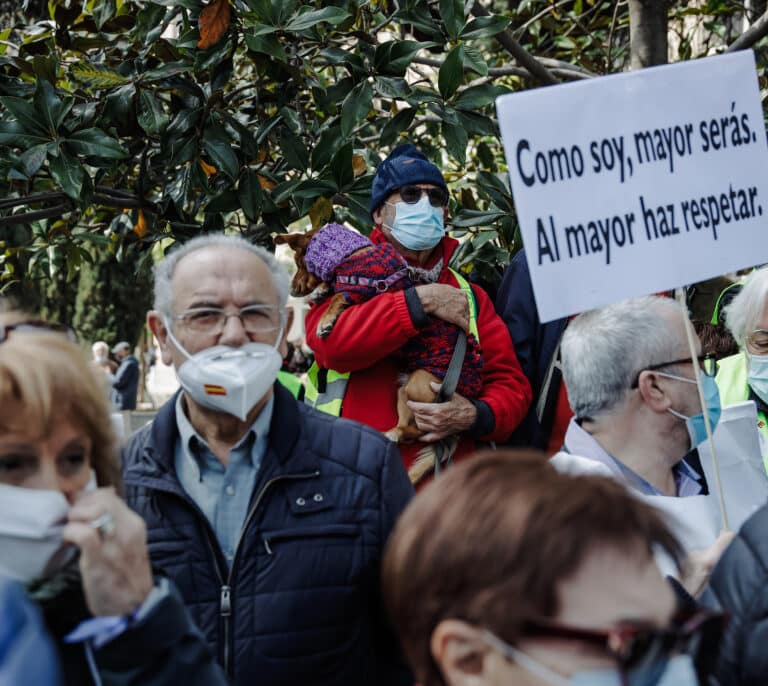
(335,259)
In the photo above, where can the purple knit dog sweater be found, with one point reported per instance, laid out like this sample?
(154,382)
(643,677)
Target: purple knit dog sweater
(329,247)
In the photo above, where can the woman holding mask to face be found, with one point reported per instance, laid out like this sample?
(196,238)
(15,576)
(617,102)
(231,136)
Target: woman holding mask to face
(66,535)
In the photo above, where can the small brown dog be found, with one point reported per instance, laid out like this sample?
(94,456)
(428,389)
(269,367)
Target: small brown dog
(334,259)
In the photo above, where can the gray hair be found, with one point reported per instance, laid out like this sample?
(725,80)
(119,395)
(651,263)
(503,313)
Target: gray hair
(745,310)
(165,268)
(604,350)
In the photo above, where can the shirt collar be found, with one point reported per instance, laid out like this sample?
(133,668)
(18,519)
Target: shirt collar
(191,439)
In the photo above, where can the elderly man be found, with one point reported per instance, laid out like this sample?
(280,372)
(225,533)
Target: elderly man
(125,385)
(409,202)
(269,516)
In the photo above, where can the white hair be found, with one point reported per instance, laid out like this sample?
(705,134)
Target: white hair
(743,313)
(165,268)
(604,350)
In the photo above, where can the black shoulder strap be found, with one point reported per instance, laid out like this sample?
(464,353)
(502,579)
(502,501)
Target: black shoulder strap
(451,380)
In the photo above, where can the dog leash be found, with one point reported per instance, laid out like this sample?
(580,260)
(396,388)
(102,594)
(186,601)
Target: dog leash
(449,385)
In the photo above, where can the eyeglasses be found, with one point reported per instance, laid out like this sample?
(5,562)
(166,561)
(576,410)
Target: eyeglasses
(438,197)
(758,340)
(256,319)
(36,325)
(642,653)
(707,364)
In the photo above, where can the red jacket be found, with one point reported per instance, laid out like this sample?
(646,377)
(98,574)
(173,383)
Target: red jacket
(366,335)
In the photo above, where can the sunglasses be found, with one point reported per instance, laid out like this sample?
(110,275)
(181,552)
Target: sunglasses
(642,653)
(438,197)
(36,325)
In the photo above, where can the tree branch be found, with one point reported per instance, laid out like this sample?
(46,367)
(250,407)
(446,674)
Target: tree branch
(557,68)
(26,217)
(752,35)
(522,56)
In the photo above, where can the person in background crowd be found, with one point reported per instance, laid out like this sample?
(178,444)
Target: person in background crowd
(538,348)
(739,587)
(66,535)
(628,370)
(271,517)
(409,205)
(100,352)
(536,578)
(125,386)
(715,339)
(744,376)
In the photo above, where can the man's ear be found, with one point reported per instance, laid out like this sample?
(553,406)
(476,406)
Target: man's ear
(283,347)
(460,653)
(653,395)
(378,215)
(157,327)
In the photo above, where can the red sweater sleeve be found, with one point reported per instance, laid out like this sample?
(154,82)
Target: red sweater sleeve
(505,388)
(363,334)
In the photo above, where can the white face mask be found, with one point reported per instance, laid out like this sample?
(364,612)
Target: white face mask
(31,526)
(226,379)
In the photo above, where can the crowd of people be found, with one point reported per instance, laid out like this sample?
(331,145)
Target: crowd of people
(254,534)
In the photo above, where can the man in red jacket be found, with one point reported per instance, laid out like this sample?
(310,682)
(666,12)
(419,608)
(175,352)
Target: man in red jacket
(409,202)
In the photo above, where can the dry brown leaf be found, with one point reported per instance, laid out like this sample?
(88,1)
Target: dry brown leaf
(358,165)
(265,183)
(261,155)
(214,22)
(140,227)
(208,169)
(321,212)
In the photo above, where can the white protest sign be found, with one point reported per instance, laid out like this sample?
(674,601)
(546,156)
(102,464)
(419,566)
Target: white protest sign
(637,183)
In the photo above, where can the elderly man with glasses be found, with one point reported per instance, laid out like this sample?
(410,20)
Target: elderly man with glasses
(359,362)
(269,516)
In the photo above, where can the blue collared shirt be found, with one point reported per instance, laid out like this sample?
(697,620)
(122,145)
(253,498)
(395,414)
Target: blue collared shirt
(580,442)
(222,492)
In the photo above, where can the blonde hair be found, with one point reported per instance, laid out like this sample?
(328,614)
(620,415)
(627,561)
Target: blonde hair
(45,377)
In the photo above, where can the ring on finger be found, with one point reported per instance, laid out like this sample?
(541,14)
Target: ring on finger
(104,525)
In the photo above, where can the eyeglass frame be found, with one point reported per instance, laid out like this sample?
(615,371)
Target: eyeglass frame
(701,359)
(38,325)
(185,318)
(686,626)
(431,192)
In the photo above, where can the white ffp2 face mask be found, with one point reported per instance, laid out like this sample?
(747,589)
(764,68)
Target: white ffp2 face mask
(226,379)
(31,526)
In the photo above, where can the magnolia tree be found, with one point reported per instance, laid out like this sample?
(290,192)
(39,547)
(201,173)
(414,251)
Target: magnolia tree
(128,124)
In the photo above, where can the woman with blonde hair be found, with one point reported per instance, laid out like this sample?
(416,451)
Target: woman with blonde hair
(66,535)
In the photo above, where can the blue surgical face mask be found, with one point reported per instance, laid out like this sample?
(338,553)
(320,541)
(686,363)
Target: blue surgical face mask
(677,671)
(695,423)
(418,226)
(757,375)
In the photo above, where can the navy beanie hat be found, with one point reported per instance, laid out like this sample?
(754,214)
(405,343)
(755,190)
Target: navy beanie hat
(405,165)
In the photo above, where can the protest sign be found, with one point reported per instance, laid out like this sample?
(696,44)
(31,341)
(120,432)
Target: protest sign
(637,183)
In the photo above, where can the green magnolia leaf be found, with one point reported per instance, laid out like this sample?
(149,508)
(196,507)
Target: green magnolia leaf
(452,14)
(400,122)
(151,115)
(216,144)
(26,115)
(68,173)
(12,135)
(48,106)
(355,107)
(266,45)
(451,72)
(307,20)
(183,122)
(96,143)
(468,218)
(389,87)
(250,195)
(484,27)
(33,159)
(476,97)
(166,71)
(103,11)
(394,57)
(341,167)
(313,188)
(178,189)
(329,142)
(456,141)
(228,201)
(477,124)
(293,149)
(475,60)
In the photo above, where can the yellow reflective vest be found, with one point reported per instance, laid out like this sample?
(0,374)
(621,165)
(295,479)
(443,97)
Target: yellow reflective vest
(325,388)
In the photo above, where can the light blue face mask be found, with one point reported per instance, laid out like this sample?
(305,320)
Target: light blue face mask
(418,226)
(757,375)
(695,423)
(677,671)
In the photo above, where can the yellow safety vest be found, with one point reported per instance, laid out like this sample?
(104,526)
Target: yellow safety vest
(734,388)
(325,388)
(292,383)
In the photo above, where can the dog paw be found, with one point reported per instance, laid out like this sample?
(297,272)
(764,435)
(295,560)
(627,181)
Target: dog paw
(324,329)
